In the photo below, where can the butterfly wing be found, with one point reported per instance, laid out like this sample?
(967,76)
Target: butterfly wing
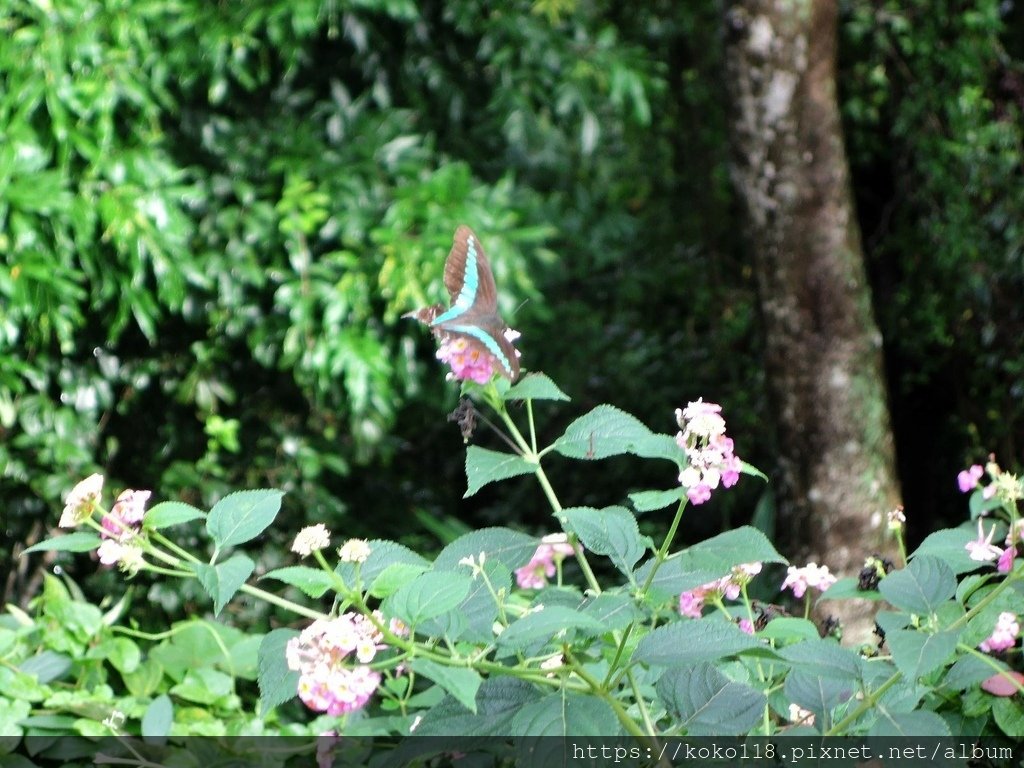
(473,314)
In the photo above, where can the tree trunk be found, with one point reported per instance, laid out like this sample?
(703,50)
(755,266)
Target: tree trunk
(837,474)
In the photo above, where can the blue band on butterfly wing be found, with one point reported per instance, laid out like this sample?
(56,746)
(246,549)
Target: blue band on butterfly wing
(487,340)
(470,284)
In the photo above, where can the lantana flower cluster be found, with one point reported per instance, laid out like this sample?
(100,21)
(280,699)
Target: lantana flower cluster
(1004,635)
(709,453)
(811,576)
(119,528)
(323,655)
(469,361)
(552,550)
(691,602)
(1008,488)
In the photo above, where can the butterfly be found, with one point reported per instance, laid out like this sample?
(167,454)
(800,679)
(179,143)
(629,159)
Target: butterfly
(472,321)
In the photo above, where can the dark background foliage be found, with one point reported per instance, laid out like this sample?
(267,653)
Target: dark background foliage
(214,215)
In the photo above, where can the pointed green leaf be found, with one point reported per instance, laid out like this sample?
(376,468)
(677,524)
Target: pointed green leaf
(535,386)
(922,587)
(722,552)
(605,431)
(911,724)
(918,653)
(708,703)
(611,531)
(242,516)
(818,694)
(159,717)
(484,466)
(278,684)
(511,548)
(427,596)
(79,541)
(168,513)
(460,682)
(613,610)
(825,658)
(686,643)
(222,581)
(553,623)
(949,545)
(564,714)
(497,702)
(312,581)
(647,501)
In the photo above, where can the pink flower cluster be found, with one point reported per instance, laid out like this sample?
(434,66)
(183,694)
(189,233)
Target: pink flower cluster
(1004,635)
(970,478)
(691,603)
(552,550)
(328,681)
(811,575)
(709,452)
(468,359)
(121,525)
(983,550)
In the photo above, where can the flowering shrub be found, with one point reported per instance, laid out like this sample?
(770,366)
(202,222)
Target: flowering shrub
(504,634)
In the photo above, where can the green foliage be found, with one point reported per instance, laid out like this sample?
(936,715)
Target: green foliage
(212,218)
(453,647)
(933,115)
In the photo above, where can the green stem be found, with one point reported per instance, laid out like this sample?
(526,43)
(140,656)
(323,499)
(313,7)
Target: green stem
(662,554)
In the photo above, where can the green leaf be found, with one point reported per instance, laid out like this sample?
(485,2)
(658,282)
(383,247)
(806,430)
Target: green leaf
(473,619)
(613,610)
(969,672)
(511,548)
(395,576)
(819,694)
(484,466)
(460,682)
(278,684)
(648,501)
(168,513)
(949,545)
(722,552)
(672,578)
(159,717)
(912,724)
(11,714)
(204,686)
(497,702)
(788,629)
(847,588)
(312,581)
(611,531)
(427,596)
(383,554)
(605,431)
(564,714)
(46,666)
(922,587)
(242,516)
(222,581)
(535,386)
(554,623)
(824,658)
(685,643)
(79,541)
(1009,716)
(708,703)
(918,653)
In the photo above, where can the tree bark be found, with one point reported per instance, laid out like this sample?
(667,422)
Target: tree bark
(837,473)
